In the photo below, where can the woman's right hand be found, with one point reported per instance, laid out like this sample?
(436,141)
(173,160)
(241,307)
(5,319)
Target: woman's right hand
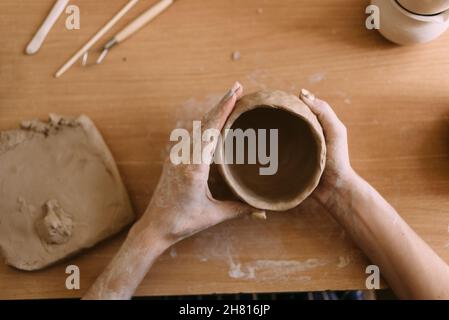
(411,268)
(338,168)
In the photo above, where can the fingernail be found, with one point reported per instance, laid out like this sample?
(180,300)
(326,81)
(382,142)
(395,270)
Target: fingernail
(236,87)
(261,215)
(307,95)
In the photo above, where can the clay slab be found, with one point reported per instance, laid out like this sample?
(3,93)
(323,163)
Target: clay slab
(60,191)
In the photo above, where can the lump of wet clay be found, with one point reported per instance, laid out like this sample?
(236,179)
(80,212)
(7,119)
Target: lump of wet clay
(56,226)
(60,191)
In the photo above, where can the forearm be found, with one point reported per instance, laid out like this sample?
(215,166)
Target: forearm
(412,269)
(128,268)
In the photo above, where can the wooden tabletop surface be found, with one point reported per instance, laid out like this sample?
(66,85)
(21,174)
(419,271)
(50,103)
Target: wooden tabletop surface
(394,101)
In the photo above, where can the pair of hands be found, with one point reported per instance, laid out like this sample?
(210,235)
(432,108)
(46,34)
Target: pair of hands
(182,204)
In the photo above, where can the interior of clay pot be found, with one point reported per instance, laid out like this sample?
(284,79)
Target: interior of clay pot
(298,156)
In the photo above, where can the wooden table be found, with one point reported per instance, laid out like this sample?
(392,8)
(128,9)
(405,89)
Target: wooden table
(394,101)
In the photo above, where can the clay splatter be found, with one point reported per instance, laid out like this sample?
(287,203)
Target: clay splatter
(219,246)
(317,78)
(173,252)
(192,109)
(344,96)
(343,261)
(257,80)
(263,270)
(235,271)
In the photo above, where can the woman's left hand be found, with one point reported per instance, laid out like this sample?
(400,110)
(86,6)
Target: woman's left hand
(181,206)
(182,203)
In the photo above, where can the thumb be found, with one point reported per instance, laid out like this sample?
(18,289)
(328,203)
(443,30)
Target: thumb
(329,120)
(216,118)
(227,209)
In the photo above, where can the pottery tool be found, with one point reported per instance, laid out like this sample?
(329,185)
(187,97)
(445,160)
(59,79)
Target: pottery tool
(135,26)
(45,28)
(96,37)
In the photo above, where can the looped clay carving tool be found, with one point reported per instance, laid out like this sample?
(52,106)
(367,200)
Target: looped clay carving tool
(43,31)
(135,26)
(96,37)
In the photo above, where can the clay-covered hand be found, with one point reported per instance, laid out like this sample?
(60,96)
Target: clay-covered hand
(338,167)
(182,204)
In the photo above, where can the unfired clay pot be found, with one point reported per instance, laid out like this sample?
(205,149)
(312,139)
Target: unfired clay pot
(426,7)
(301,151)
(402,27)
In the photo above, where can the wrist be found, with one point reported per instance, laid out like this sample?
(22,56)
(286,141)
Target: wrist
(349,180)
(142,247)
(149,236)
(338,188)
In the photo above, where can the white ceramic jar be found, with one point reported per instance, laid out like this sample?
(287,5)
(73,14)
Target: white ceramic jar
(402,27)
(425,7)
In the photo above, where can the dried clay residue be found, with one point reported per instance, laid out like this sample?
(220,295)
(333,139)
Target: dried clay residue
(317,78)
(55,122)
(273,269)
(221,245)
(11,139)
(173,252)
(343,261)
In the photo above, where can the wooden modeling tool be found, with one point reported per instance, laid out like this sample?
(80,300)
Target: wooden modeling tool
(135,26)
(40,36)
(95,38)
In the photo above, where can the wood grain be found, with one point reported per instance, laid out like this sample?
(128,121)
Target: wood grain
(394,101)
